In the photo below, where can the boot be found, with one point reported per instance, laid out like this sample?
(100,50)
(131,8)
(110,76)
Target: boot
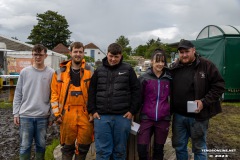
(158,151)
(39,156)
(80,156)
(67,152)
(25,156)
(142,151)
(66,157)
(82,151)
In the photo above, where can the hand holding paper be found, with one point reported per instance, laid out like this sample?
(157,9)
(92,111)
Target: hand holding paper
(134,128)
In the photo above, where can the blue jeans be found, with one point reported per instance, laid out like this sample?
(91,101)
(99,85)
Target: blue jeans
(111,134)
(33,128)
(185,127)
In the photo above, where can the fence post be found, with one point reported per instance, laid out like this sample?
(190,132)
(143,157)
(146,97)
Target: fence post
(1,82)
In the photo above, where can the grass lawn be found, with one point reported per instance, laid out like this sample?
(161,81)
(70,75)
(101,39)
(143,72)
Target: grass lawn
(224,130)
(50,149)
(5,104)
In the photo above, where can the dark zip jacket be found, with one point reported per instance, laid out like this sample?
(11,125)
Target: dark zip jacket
(155,95)
(114,89)
(208,87)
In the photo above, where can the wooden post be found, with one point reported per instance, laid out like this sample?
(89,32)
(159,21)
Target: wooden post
(1,82)
(12,89)
(132,153)
(11,82)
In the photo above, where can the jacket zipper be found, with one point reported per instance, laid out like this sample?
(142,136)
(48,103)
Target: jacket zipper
(110,88)
(157,99)
(65,97)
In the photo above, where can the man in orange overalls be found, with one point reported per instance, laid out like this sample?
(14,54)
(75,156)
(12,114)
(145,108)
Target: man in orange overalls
(69,96)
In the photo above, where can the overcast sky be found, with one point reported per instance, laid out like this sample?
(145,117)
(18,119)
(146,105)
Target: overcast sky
(103,21)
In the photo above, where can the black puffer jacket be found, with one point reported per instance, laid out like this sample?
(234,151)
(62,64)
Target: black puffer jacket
(208,87)
(114,89)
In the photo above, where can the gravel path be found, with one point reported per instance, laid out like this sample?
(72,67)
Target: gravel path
(9,136)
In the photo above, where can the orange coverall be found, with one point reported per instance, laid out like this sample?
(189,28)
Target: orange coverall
(70,102)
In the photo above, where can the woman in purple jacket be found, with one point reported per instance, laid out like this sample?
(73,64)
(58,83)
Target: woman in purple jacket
(155,110)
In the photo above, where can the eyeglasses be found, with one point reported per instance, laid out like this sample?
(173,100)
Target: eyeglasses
(38,55)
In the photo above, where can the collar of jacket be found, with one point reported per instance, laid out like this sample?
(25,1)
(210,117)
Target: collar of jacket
(106,64)
(166,74)
(68,64)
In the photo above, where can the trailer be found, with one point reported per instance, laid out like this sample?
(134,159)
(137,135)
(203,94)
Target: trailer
(221,45)
(14,61)
(3,63)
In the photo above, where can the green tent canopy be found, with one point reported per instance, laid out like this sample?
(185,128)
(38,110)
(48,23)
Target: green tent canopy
(221,45)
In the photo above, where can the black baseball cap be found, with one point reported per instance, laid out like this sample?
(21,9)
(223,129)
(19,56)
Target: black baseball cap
(185,44)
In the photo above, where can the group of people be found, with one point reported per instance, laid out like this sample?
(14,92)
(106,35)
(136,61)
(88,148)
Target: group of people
(99,105)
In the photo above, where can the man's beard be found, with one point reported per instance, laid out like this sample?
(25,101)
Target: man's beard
(77,62)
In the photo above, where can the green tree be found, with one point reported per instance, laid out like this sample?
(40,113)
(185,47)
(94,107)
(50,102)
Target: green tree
(124,42)
(152,44)
(141,50)
(51,30)
(125,56)
(88,59)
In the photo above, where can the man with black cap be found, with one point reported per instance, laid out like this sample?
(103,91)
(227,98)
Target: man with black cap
(196,90)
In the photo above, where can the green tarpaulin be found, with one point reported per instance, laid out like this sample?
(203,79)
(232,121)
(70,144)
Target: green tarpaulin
(224,52)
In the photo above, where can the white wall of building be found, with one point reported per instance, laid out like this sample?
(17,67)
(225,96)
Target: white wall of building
(2,45)
(97,54)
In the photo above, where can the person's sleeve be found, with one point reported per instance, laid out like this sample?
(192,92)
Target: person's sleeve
(135,92)
(170,91)
(55,91)
(51,116)
(216,86)
(17,100)
(142,91)
(91,107)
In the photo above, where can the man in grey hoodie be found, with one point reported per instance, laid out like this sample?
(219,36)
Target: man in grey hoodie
(31,104)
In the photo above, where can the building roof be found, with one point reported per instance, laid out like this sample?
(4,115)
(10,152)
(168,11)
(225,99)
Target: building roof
(60,48)
(91,46)
(220,30)
(16,47)
(12,44)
